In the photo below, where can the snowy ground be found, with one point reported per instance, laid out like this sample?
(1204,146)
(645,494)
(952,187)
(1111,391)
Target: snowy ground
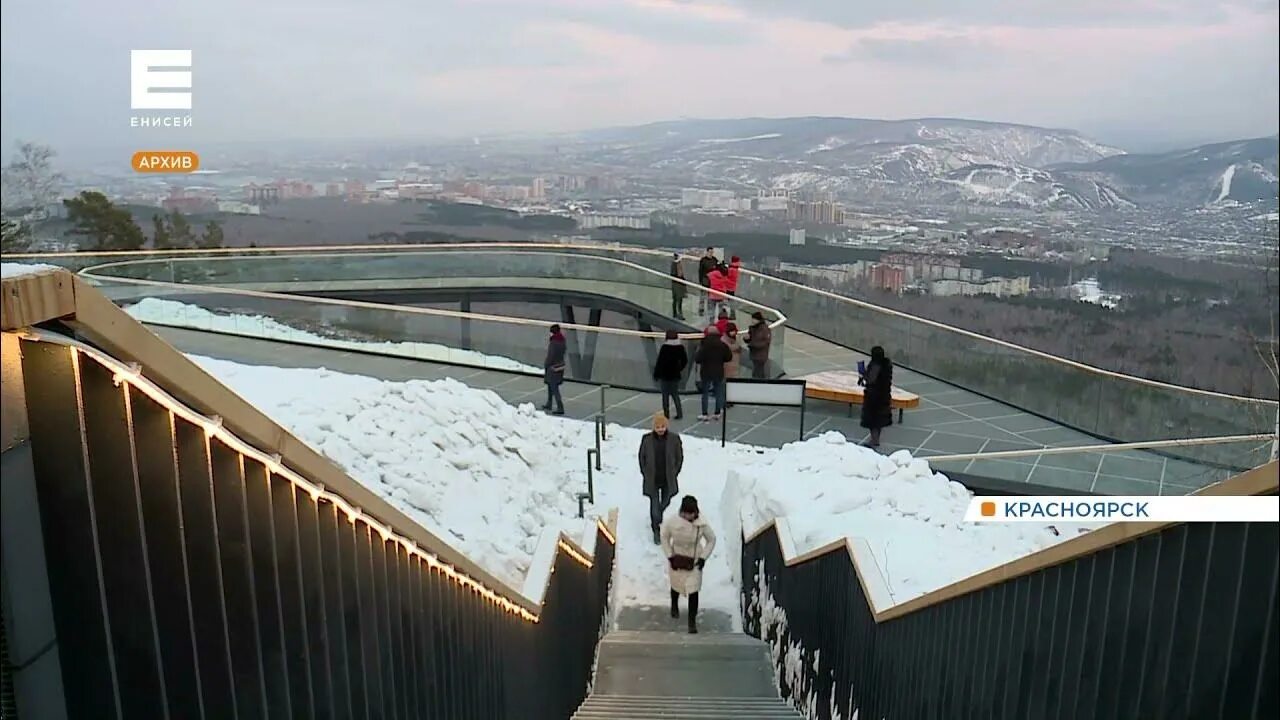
(13,270)
(168,312)
(488,477)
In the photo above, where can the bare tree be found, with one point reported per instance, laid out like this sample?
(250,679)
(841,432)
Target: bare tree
(30,182)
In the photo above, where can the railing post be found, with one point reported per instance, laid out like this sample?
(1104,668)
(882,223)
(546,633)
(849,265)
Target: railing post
(581,497)
(603,412)
(599,436)
(591,475)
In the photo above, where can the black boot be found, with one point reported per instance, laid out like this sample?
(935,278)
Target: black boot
(675,604)
(693,613)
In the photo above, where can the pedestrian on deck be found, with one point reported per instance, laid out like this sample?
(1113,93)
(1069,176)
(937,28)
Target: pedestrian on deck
(668,370)
(724,323)
(711,356)
(687,540)
(719,291)
(678,288)
(877,393)
(553,371)
(730,337)
(661,458)
(759,339)
(706,264)
(733,273)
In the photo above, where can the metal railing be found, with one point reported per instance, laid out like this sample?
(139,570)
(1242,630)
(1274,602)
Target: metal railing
(1162,620)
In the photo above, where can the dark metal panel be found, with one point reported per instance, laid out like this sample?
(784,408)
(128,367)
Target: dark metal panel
(386,654)
(427,610)
(262,548)
(409,618)
(312,589)
(237,581)
(157,460)
(1207,665)
(1253,626)
(204,565)
(373,688)
(285,498)
(1189,596)
(395,560)
(1081,607)
(350,607)
(1100,700)
(125,572)
(1266,696)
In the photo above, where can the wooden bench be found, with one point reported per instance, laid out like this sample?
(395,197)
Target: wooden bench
(842,386)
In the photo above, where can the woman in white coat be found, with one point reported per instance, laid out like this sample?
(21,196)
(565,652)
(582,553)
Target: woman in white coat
(687,540)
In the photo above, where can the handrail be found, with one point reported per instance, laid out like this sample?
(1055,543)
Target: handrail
(375,249)
(151,364)
(1105,448)
(1012,346)
(1261,480)
(483,250)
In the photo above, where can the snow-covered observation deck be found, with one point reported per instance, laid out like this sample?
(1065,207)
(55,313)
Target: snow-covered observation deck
(987,407)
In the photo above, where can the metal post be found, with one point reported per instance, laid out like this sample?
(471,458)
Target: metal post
(599,436)
(724,423)
(581,497)
(603,413)
(803,403)
(591,476)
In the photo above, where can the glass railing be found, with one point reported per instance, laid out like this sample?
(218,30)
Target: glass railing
(620,356)
(1105,404)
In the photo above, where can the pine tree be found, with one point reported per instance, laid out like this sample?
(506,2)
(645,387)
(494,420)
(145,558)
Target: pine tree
(212,237)
(106,226)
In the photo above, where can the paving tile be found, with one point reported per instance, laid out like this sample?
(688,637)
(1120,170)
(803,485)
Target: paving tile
(986,410)
(1021,423)
(1081,462)
(1059,437)
(1132,466)
(948,444)
(1002,469)
(1060,477)
(1113,485)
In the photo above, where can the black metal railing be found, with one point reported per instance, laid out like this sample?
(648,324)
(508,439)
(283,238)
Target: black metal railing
(1180,623)
(188,579)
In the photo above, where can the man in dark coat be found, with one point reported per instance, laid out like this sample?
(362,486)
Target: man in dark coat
(711,357)
(759,338)
(708,263)
(668,370)
(877,413)
(661,459)
(553,370)
(678,288)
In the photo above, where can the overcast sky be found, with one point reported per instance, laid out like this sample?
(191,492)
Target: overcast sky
(1128,71)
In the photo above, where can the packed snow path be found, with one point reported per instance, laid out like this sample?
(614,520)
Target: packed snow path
(489,477)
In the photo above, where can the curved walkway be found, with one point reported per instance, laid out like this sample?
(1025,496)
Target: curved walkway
(949,421)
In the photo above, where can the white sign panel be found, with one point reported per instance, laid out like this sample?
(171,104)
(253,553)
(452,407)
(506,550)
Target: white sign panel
(764,392)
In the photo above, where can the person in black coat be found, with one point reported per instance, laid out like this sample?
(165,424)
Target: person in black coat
(672,361)
(553,370)
(678,288)
(877,392)
(711,357)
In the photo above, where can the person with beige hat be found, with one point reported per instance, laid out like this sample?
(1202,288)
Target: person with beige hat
(661,459)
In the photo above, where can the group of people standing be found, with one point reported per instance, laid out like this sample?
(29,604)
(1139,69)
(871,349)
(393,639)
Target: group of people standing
(717,357)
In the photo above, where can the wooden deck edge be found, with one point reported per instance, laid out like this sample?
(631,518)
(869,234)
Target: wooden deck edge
(42,296)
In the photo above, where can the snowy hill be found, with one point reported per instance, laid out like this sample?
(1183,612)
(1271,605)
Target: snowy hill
(907,159)
(1242,171)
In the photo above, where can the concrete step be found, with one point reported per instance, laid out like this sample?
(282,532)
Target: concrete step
(672,664)
(635,707)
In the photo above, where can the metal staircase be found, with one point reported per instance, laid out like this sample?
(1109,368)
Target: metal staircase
(662,672)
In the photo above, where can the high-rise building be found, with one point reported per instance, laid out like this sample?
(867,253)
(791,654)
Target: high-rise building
(887,277)
(538,189)
(797,236)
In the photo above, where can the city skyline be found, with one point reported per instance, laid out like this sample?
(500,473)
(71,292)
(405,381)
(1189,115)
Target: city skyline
(1137,74)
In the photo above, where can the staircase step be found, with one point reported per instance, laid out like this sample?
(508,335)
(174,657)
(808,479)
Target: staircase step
(637,707)
(679,638)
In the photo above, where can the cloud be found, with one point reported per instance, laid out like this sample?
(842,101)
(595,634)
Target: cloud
(941,52)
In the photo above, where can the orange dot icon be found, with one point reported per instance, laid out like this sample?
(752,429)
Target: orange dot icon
(988,509)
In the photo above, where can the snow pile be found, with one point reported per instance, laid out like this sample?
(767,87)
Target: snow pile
(16,270)
(912,518)
(168,312)
(488,478)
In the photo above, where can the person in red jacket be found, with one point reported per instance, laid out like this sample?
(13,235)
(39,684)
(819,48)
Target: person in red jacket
(719,290)
(735,270)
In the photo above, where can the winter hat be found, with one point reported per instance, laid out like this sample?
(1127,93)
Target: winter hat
(689,505)
(724,312)
(659,420)
(672,335)
(757,315)
(734,259)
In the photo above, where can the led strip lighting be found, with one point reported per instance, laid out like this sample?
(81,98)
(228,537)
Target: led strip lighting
(131,375)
